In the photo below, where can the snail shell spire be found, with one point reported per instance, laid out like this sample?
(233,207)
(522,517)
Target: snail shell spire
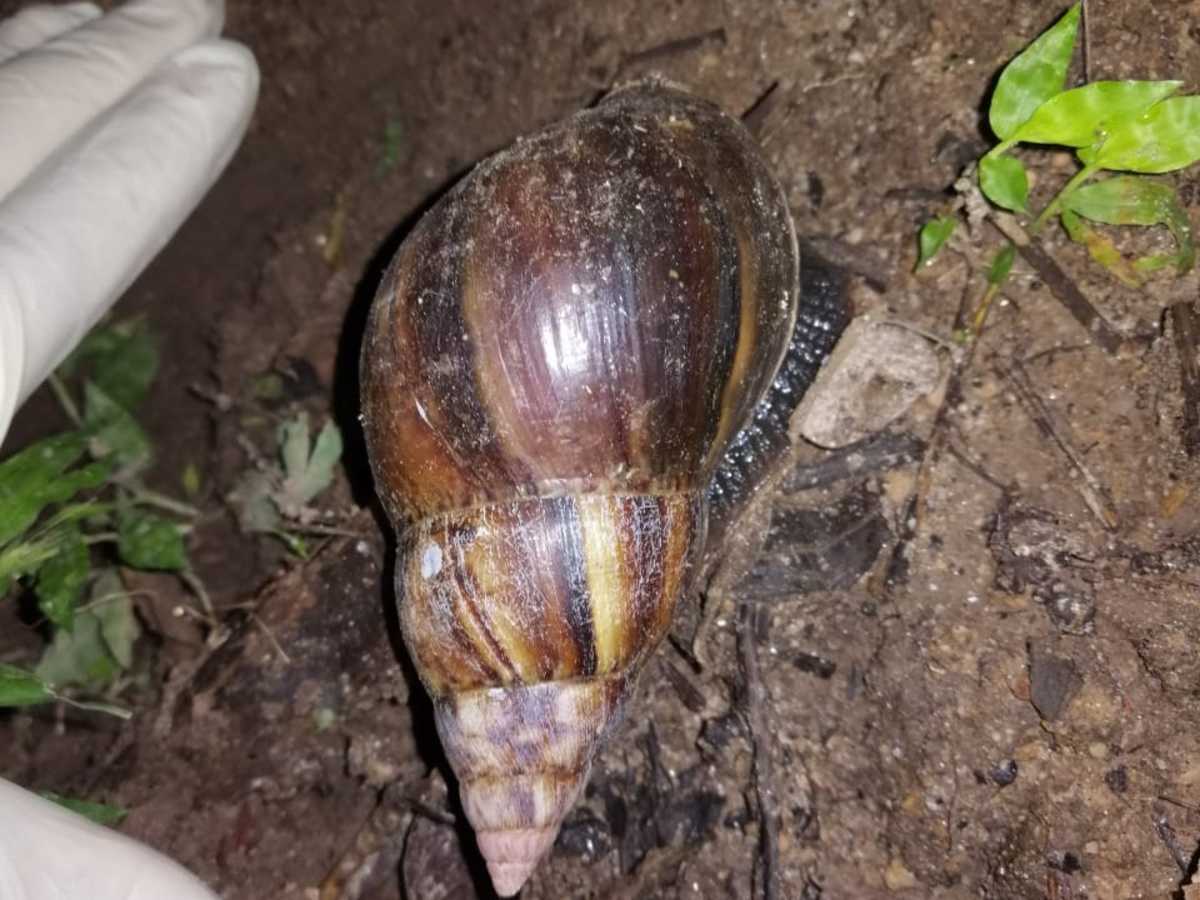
(556,360)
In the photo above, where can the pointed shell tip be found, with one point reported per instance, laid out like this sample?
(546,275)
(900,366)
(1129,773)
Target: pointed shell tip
(509,877)
(513,854)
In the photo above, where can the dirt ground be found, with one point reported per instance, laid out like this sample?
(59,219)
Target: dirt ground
(999,697)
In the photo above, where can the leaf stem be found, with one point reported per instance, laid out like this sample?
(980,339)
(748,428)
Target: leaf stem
(94,706)
(63,395)
(149,497)
(1056,204)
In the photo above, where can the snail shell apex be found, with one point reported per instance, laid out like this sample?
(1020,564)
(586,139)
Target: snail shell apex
(554,365)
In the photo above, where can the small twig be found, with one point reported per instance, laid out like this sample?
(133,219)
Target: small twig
(261,625)
(755,711)
(219,399)
(1060,284)
(441,816)
(877,453)
(376,848)
(973,466)
(1186,326)
(179,680)
(943,342)
(1050,352)
(192,580)
(148,497)
(690,695)
(1085,14)
(671,48)
(1095,494)
(1166,834)
(323,530)
(756,116)
(65,400)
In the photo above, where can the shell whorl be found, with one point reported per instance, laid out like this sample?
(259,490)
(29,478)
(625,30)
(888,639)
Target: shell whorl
(528,622)
(554,365)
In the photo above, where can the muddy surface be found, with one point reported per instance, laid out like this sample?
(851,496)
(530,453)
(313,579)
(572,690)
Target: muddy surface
(1000,699)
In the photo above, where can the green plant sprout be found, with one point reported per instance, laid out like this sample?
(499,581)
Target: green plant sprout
(1138,127)
(274,498)
(73,509)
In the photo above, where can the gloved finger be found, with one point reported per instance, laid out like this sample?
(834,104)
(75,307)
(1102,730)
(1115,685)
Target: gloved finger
(37,24)
(49,93)
(77,232)
(47,851)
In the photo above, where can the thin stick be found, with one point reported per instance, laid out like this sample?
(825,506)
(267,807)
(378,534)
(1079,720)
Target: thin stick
(262,626)
(1095,494)
(1060,284)
(149,497)
(1186,326)
(64,399)
(878,453)
(756,116)
(764,785)
(1085,14)
(1166,834)
(673,48)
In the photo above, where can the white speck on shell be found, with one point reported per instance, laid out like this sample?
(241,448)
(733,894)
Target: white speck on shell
(431,561)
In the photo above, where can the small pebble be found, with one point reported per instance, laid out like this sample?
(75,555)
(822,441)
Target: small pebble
(1005,773)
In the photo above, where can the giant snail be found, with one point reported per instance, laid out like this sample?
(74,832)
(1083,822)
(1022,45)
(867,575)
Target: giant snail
(571,360)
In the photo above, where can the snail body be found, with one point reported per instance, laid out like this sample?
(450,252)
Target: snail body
(555,364)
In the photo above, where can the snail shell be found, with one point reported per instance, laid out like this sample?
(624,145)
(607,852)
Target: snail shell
(556,361)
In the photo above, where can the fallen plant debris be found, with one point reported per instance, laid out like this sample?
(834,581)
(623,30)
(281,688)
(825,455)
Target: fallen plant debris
(74,509)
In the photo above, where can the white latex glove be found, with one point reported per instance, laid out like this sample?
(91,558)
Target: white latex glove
(111,129)
(49,853)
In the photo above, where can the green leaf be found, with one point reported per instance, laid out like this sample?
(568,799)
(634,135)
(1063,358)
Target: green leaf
(24,558)
(293,445)
(122,361)
(1003,181)
(100,813)
(79,657)
(934,234)
(1101,249)
(1034,76)
(97,342)
(190,481)
(21,688)
(147,541)
(1001,264)
(318,473)
(127,374)
(1130,200)
(252,500)
(1088,115)
(37,477)
(295,543)
(62,578)
(113,606)
(1165,138)
(114,431)
(1122,200)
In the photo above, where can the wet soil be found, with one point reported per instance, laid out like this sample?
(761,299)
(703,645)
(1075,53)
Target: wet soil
(1000,700)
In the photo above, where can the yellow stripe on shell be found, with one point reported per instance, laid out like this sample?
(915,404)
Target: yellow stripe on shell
(608,587)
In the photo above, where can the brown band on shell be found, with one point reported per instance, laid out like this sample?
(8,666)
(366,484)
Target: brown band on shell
(595,310)
(544,590)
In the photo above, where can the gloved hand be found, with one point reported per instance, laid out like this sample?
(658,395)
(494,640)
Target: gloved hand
(49,853)
(113,128)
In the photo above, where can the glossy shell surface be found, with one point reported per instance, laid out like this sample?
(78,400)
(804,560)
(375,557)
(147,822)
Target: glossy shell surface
(555,364)
(598,308)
